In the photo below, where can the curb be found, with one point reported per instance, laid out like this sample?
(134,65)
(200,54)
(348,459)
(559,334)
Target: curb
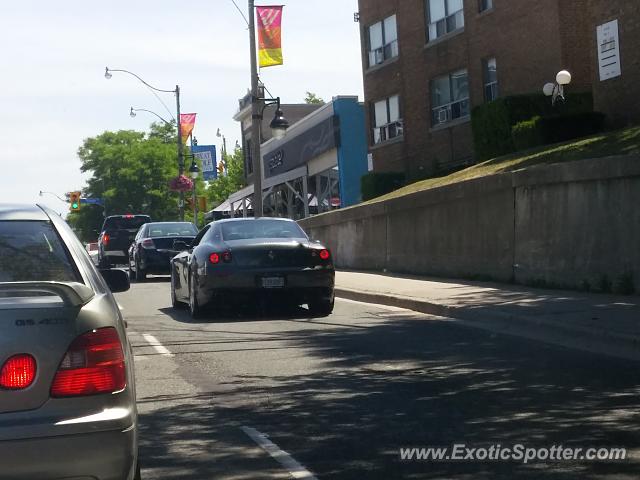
(585,338)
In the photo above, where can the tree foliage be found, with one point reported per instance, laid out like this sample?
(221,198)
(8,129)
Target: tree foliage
(313,99)
(130,170)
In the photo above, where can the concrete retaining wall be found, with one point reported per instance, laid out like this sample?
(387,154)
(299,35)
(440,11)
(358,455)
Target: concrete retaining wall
(562,225)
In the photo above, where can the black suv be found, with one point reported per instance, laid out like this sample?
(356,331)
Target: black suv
(118,231)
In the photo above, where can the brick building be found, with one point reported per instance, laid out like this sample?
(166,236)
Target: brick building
(427,63)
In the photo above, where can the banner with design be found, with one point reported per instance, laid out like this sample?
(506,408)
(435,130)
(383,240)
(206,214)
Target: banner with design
(207,156)
(269,26)
(187,122)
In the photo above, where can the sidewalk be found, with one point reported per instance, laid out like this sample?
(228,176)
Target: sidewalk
(595,322)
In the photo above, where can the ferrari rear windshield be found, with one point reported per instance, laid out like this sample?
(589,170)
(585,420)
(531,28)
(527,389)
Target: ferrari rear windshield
(33,251)
(247,229)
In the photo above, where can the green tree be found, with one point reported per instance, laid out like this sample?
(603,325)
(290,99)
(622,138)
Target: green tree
(220,189)
(130,170)
(313,99)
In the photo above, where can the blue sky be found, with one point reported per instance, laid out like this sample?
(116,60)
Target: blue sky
(54,94)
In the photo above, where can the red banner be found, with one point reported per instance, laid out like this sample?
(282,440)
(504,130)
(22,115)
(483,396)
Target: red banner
(270,35)
(187,122)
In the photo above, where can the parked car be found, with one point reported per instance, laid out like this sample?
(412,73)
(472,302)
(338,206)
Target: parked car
(153,248)
(237,259)
(67,391)
(118,231)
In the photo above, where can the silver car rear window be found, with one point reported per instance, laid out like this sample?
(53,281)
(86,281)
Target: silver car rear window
(32,251)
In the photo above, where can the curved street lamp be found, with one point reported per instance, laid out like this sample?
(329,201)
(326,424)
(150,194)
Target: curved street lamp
(108,74)
(132,114)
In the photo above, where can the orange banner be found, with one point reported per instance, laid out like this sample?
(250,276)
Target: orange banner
(270,35)
(187,122)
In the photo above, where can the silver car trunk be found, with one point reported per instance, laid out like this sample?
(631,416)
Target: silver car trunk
(39,319)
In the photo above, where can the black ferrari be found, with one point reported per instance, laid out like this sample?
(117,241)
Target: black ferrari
(247,259)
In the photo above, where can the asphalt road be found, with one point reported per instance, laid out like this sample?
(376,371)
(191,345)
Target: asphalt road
(338,397)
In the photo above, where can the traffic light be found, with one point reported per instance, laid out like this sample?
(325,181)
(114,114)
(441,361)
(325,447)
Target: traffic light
(221,168)
(74,201)
(202,204)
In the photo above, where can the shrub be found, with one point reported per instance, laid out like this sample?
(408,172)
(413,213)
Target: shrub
(376,184)
(492,122)
(560,128)
(527,134)
(554,129)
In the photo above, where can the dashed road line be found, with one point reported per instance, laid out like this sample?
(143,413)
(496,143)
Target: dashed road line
(157,346)
(295,469)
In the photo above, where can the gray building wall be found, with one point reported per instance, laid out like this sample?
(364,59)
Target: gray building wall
(563,225)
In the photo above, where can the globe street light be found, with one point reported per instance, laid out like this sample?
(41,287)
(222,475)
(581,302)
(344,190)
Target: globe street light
(556,90)
(108,74)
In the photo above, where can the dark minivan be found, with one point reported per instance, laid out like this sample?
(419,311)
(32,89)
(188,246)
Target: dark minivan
(118,231)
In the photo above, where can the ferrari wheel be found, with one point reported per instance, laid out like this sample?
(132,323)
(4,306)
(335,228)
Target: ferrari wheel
(194,306)
(321,306)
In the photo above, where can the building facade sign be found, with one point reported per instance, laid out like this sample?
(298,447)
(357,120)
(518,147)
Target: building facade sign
(303,148)
(609,51)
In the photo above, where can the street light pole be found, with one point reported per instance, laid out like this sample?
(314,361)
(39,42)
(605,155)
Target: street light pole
(256,117)
(107,75)
(180,152)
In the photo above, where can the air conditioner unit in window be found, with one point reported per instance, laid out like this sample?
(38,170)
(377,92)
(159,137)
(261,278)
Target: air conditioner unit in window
(443,115)
(399,128)
(379,54)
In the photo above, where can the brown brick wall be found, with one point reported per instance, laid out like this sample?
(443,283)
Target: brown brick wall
(618,97)
(526,39)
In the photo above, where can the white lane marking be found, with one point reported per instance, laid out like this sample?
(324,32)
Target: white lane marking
(157,346)
(283,458)
(377,305)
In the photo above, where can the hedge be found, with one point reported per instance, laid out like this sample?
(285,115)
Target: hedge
(492,122)
(376,184)
(554,129)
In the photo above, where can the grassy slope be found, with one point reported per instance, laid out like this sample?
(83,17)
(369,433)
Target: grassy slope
(620,142)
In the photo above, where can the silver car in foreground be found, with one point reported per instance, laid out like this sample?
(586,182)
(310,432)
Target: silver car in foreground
(67,393)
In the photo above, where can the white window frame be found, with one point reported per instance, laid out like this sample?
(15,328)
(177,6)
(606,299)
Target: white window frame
(491,91)
(448,112)
(389,48)
(456,17)
(393,128)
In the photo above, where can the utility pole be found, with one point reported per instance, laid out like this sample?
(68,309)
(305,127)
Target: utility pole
(256,117)
(180,153)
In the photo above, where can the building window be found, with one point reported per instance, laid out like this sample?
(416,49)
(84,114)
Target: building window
(449,97)
(485,5)
(490,79)
(386,119)
(383,41)
(445,16)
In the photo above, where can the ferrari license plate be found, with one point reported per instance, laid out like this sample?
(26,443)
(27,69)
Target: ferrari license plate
(272,282)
